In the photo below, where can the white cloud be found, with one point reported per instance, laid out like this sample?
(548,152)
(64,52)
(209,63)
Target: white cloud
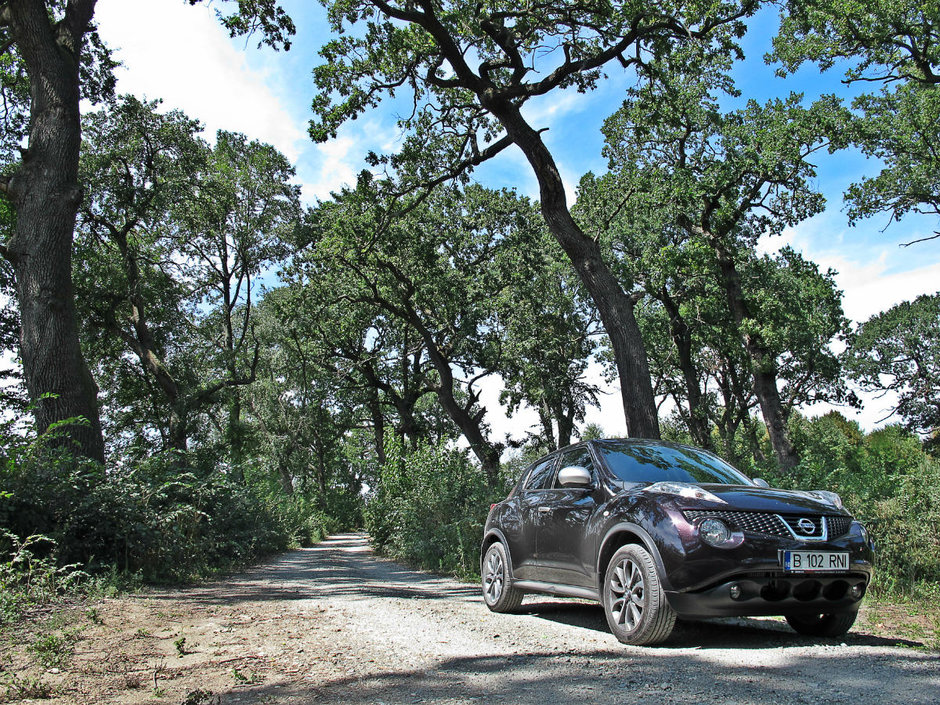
(873,276)
(182,55)
(336,168)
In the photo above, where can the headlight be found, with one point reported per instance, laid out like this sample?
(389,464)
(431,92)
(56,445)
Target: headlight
(716,533)
(828,497)
(865,536)
(684,489)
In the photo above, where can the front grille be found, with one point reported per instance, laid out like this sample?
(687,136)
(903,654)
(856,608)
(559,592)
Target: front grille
(838,526)
(751,522)
(784,526)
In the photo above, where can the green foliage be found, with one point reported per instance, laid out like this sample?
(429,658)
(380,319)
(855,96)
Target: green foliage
(898,350)
(28,579)
(25,688)
(156,519)
(52,650)
(429,508)
(888,482)
(891,44)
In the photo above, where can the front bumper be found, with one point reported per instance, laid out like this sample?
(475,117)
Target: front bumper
(774,594)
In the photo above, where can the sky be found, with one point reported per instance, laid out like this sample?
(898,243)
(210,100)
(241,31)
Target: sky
(233,85)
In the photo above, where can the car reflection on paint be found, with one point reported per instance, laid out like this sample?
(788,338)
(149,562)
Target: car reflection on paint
(655,530)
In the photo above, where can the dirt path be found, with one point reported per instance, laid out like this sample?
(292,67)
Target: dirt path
(334,624)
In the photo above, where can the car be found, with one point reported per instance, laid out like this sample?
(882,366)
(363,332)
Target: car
(655,530)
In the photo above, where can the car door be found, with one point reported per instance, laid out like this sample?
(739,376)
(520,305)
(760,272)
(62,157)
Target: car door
(530,502)
(561,551)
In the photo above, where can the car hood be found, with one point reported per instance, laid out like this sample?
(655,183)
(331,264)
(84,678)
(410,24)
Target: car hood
(753,499)
(765,499)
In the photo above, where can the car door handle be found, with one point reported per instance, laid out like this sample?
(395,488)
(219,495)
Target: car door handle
(543,510)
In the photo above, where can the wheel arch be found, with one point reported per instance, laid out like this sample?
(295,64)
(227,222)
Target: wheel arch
(620,535)
(495,536)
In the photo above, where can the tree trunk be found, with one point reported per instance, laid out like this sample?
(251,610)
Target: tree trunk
(762,362)
(46,195)
(614,305)
(682,338)
(486,452)
(378,425)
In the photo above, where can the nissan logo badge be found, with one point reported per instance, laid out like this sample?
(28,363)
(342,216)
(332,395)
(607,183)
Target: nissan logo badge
(806,525)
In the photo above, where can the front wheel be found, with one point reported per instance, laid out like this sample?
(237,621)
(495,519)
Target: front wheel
(832,624)
(498,591)
(634,602)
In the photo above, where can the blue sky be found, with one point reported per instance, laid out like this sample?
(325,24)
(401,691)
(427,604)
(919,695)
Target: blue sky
(229,84)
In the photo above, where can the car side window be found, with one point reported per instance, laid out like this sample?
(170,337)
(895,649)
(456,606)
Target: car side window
(580,457)
(542,475)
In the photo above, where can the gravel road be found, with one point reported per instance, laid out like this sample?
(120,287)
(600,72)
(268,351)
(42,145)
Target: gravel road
(334,624)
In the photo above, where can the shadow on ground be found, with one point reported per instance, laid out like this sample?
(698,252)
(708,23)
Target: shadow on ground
(751,661)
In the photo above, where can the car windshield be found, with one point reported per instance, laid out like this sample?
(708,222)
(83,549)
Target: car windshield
(648,462)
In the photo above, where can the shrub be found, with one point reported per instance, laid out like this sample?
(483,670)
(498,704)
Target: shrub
(888,482)
(429,508)
(163,518)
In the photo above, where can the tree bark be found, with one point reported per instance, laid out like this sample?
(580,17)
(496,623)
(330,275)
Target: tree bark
(682,339)
(762,362)
(615,306)
(45,194)
(486,452)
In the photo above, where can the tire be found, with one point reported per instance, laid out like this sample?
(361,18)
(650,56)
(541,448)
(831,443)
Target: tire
(633,598)
(831,625)
(498,591)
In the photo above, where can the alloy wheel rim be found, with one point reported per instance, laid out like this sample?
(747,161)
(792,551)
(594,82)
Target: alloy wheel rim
(493,580)
(628,593)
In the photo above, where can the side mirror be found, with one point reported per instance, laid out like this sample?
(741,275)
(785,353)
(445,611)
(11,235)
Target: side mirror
(574,476)
(760,482)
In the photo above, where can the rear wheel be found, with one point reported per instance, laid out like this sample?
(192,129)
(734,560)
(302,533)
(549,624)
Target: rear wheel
(634,602)
(498,591)
(832,624)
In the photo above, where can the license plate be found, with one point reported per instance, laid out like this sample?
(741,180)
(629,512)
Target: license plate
(814,561)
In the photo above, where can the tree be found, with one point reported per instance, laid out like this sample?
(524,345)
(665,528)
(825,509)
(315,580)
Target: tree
(465,114)
(238,225)
(436,271)
(173,233)
(548,336)
(894,44)
(721,178)
(299,404)
(49,39)
(899,351)
(138,165)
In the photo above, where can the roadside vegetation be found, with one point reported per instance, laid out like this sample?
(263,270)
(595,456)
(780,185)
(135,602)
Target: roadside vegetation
(222,371)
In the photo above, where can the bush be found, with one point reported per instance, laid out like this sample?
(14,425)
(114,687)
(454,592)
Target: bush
(429,508)
(888,482)
(162,519)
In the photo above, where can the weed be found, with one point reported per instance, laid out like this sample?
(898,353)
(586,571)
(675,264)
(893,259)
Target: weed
(251,678)
(26,579)
(142,633)
(201,697)
(17,689)
(94,616)
(51,650)
(180,645)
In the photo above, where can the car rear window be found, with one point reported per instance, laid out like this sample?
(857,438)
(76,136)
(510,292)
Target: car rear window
(648,462)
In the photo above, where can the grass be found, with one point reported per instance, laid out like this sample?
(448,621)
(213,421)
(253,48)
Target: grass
(52,650)
(16,689)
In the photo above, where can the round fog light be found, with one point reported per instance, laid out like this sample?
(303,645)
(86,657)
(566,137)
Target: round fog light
(714,532)
(735,591)
(856,591)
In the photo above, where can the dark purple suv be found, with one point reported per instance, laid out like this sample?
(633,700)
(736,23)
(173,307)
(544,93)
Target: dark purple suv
(653,530)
